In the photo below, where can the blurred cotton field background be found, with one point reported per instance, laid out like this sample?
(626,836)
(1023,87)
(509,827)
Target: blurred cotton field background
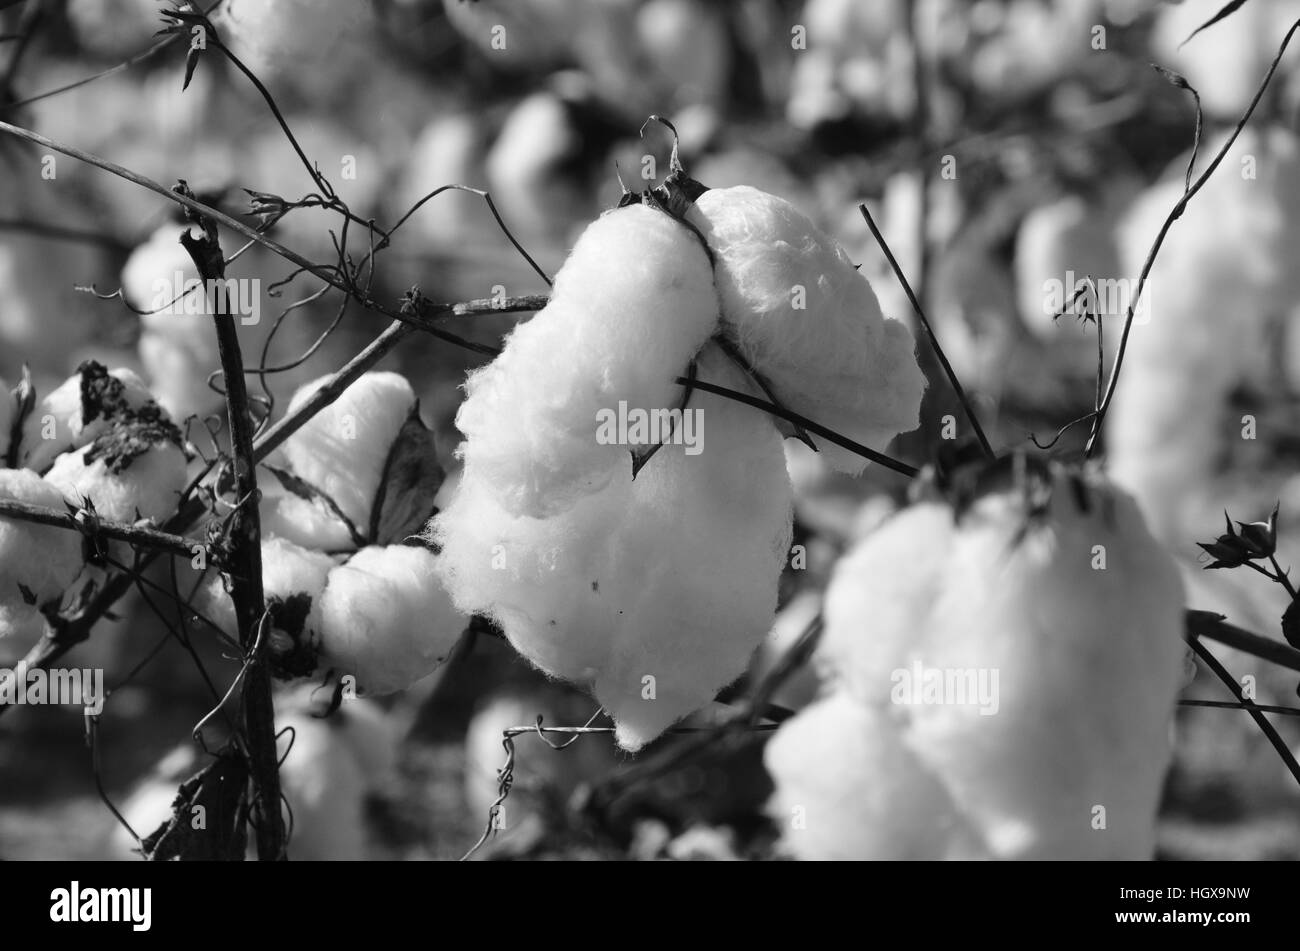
(1008,150)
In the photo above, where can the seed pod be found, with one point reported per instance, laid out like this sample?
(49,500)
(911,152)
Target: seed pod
(1051,592)
(631,306)
(37,562)
(808,321)
(385,618)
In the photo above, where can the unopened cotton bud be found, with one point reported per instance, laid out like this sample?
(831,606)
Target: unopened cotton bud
(631,306)
(386,619)
(42,559)
(809,322)
(342,450)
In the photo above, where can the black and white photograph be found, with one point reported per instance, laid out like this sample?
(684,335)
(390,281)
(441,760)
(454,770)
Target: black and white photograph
(789,431)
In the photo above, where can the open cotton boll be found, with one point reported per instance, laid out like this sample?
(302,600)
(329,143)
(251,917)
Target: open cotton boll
(518,34)
(610,591)
(1025,615)
(386,619)
(809,322)
(848,788)
(41,558)
(305,522)
(343,449)
(148,486)
(78,411)
(631,306)
(288,571)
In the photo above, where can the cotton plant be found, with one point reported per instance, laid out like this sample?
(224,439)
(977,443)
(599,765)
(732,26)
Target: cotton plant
(647,570)
(966,643)
(38,563)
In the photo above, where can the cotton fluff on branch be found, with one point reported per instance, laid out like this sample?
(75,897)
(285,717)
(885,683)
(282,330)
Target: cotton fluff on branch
(809,322)
(1077,609)
(43,559)
(613,592)
(386,619)
(342,450)
(631,306)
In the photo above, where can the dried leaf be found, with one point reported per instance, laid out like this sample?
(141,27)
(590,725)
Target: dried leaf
(412,477)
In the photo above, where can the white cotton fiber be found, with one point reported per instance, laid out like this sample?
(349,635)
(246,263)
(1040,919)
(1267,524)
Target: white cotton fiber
(653,592)
(305,522)
(1079,614)
(42,558)
(148,487)
(287,570)
(276,37)
(631,306)
(386,619)
(57,423)
(342,450)
(809,322)
(848,788)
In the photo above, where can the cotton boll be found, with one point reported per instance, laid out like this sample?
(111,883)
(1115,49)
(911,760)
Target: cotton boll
(695,630)
(308,523)
(386,619)
(1025,595)
(837,360)
(849,788)
(790,623)
(449,151)
(42,558)
(288,571)
(114,28)
(609,592)
(287,38)
(148,487)
(60,420)
(687,44)
(342,450)
(631,306)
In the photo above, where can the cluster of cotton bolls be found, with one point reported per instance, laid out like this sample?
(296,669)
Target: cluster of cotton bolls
(655,587)
(966,644)
(98,441)
(346,593)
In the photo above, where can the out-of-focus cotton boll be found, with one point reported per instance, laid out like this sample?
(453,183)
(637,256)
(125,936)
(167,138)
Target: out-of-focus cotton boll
(288,570)
(59,422)
(530,189)
(177,348)
(301,39)
(41,558)
(1059,245)
(343,449)
(809,322)
(386,619)
(973,313)
(848,787)
(448,152)
(148,486)
(114,28)
(1226,62)
(518,34)
(631,306)
(334,764)
(601,594)
(688,48)
(1223,279)
(1031,46)
(857,60)
(1016,585)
